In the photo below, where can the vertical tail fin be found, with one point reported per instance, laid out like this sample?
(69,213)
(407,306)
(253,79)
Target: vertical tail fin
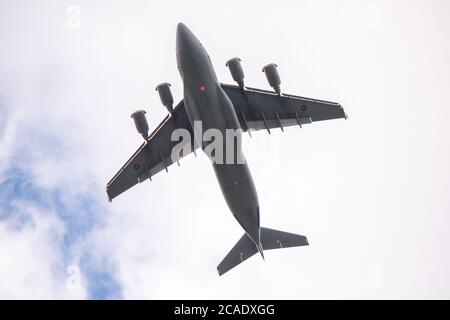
(270,239)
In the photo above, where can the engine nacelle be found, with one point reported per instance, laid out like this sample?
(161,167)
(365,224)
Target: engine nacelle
(140,120)
(165,95)
(272,76)
(236,71)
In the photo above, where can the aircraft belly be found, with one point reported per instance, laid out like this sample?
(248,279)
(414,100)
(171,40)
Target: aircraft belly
(240,194)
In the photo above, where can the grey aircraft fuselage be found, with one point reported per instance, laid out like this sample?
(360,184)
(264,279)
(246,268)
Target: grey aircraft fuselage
(206,101)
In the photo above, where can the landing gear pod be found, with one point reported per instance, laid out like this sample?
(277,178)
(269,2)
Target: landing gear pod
(140,121)
(236,71)
(165,95)
(272,76)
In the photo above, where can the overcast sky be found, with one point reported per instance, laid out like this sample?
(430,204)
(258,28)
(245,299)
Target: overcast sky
(370,193)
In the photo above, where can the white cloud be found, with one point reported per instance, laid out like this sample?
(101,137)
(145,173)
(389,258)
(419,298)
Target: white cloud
(370,193)
(32,259)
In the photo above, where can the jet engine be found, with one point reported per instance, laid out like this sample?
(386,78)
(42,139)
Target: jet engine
(165,95)
(236,71)
(272,76)
(141,123)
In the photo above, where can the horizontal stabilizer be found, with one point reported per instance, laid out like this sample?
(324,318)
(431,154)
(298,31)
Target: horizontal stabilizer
(274,239)
(270,239)
(242,250)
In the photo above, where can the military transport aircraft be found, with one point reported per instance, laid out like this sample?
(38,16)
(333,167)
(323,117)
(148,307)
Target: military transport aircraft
(221,107)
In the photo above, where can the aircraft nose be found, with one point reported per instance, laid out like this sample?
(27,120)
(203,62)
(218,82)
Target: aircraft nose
(181,27)
(182,35)
(185,45)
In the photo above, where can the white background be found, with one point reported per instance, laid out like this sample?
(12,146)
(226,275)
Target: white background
(370,193)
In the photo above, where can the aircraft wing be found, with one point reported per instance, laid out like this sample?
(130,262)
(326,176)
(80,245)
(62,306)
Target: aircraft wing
(260,109)
(153,156)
